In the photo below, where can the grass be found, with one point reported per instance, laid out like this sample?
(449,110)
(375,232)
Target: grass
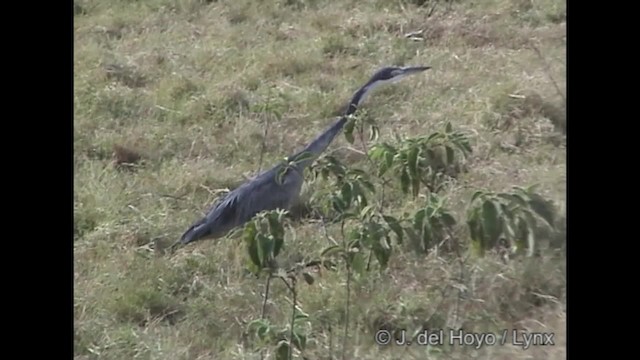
(176,101)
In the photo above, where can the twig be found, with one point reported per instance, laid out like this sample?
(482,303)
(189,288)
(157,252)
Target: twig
(461,276)
(346,320)
(167,109)
(266,297)
(264,142)
(548,72)
(293,315)
(347,148)
(180,197)
(433,8)
(264,307)
(348,266)
(326,234)
(313,263)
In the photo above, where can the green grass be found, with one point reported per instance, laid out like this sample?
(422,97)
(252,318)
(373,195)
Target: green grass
(190,87)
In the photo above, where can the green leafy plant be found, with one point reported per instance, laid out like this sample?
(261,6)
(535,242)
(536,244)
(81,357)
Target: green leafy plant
(353,188)
(510,216)
(282,337)
(357,122)
(431,224)
(264,237)
(423,160)
(373,232)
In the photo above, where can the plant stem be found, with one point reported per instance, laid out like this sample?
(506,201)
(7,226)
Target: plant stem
(346,320)
(266,297)
(293,315)
(264,307)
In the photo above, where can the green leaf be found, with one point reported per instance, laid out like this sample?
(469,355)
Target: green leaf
(275,226)
(252,244)
(331,250)
(418,219)
(395,226)
(431,156)
(404,180)
(413,161)
(490,221)
(415,186)
(521,192)
(466,146)
(338,204)
(513,199)
(450,155)
(433,137)
(257,324)
(448,219)
(476,232)
(360,195)
(543,208)
(282,352)
(368,185)
(388,158)
(308,278)
(303,156)
(299,340)
(527,230)
(262,253)
(376,152)
(473,225)
(374,133)
(277,246)
(384,242)
(448,128)
(531,243)
(346,193)
(282,171)
(511,234)
(300,315)
(357,262)
(531,225)
(348,129)
(530,218)
(382,254)
(427,235)
(365,213)
(531,189)
(476,195)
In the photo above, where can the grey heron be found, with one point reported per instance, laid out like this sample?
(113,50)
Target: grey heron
(273,189)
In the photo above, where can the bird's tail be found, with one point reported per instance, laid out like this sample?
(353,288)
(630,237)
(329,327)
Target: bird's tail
(195,232)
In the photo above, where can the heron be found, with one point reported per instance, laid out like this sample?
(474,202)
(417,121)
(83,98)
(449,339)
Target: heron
(274,189)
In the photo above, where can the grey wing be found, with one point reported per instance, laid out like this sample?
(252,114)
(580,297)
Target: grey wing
(243,203)
(220,217)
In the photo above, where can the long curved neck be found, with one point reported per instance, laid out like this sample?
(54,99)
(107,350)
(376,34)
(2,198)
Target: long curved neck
(320,143)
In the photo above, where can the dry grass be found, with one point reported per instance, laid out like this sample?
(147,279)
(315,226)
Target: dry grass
(186,89)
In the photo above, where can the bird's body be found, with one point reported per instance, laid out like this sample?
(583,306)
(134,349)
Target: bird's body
(275,188)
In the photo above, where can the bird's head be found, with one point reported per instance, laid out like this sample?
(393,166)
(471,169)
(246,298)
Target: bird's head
(385,75)
(395,73)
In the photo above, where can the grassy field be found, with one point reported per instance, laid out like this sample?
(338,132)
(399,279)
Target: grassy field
(178,101)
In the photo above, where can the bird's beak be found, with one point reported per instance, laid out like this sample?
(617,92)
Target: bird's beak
(415,69)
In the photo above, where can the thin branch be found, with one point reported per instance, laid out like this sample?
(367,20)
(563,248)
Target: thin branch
(293,315)
(346,320)
(314,263)
(266,297)
(326,233)
(264,141)
(547,69)
(264,307)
